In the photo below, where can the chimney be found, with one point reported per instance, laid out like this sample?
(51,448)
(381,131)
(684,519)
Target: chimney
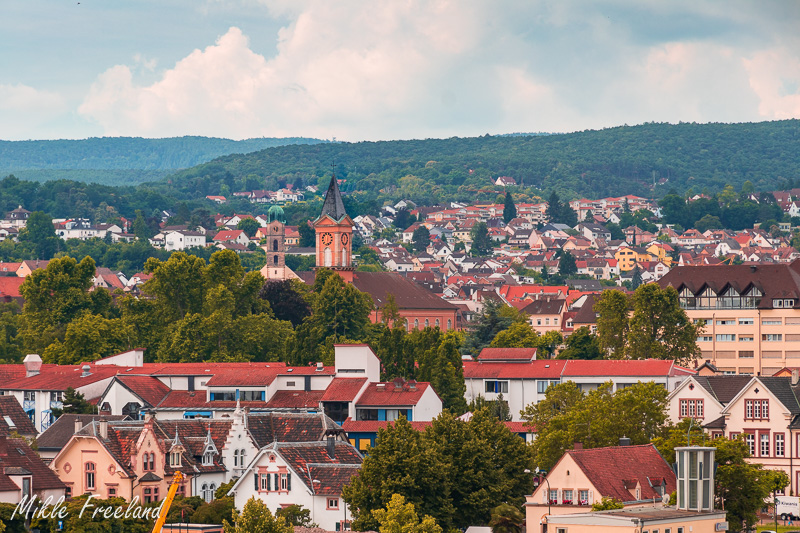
(78,424)
(320,367)
(577,445)
(795,376)
(86,371)
(102,427)
(331,446)
(412,384)
(624,441)
(33,365)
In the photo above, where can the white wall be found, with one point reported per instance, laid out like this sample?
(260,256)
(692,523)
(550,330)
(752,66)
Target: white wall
(357,356)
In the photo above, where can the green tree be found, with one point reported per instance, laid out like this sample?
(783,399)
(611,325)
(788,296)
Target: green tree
(612,322)
(636,278)
(495,318)
(421,238)
(74,403)
(401,462)
(249,225)
(518,335)
(509,209)
(445,372)
(607,504)
(286,299)
(596,419)
(296,516)
(566,264)
(53,297)
(401,517)
(708,222)
(39,232)
(481,242)
(140,227)
(256,518)
(659,328)
(581,344)
(177,284)
(88,337)
(308,237)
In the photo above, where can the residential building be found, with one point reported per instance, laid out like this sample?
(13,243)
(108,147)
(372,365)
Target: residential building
(309,474)
(750,314)
(23,473)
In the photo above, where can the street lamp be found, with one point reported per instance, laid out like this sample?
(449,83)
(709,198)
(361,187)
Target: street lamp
(544,474)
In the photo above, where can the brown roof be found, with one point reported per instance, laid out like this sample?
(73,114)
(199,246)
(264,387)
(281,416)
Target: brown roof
(723,388)
(311,461)
(151,390)
(289,427)
(407,294)
(296,399)
(58,434)
(396,393)
(10,407)
(15,453)
(774,280)
(343,389)
(507,354)
(586,314)
(610,469)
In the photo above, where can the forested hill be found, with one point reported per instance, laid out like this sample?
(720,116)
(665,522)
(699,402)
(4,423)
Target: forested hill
(81,159)
(609,162)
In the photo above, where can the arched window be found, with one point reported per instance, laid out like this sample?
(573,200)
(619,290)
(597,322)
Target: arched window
(275,260)
(344,257)
(152,461)
(145,458)
(327,257)
(427,322)
(208,458)
(416,323)
(449,324)
(89,469)
(131,409)
(437,322)
(208,491)
(275,245)
(235,457)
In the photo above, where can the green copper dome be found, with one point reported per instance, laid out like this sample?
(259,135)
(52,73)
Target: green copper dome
(276,213)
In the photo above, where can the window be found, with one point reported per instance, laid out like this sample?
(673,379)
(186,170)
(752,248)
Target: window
(207,491)
(112,491)
(56,396)
(750,440)
(726,322)
(779,445)
(148,495)
(235,458)
(782,303)
(543,385)
(251,395)
(745,338)
(208,458)
(394,414)
(437,323)
(583,497)
(175,459)
(771,337)
(745,321)
(705,338)
(265,482)
(333,503)
(566,497)
(366,414)
(691,408)
(747,354)
(416,323)
(771,322)
(727,337)
(89,469)
(764,445)
(538,321)
(30,395)
(449,323)
(286,483)
(149,462)
(427,323)
(497,386)
(553,496)
(546,321)
(756,409)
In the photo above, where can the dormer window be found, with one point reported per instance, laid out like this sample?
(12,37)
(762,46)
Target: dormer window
(174,459)
(208,458)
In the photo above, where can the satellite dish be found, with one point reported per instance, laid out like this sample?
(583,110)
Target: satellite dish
(665,499)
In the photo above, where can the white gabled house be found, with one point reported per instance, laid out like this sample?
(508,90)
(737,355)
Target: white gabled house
(308,474)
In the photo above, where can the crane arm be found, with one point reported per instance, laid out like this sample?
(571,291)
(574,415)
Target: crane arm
(177,479)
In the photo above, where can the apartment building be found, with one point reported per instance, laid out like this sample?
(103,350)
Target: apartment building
(751,314)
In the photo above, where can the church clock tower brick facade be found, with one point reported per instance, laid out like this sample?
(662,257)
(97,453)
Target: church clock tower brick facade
(334,229)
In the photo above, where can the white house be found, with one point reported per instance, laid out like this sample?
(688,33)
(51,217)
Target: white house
(308,474)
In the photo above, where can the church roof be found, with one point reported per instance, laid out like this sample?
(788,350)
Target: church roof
(333,205)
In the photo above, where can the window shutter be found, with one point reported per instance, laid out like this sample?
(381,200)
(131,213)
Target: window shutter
(277,482)
(269,485)
(590,498)
(256,476)
(546,494)
(288,482)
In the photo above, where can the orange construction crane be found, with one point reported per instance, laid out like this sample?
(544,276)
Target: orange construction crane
(177,479)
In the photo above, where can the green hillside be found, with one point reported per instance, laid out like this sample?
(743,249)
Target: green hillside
(89,159)
(609,162)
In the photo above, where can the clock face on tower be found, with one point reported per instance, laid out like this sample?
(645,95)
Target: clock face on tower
(345,238)
(326,239)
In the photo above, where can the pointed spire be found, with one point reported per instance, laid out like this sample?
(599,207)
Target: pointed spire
(177,440)
(333,205)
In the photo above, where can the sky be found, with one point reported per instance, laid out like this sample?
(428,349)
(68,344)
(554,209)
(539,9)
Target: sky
(397,69)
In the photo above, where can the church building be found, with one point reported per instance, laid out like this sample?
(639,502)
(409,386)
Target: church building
(420,307)
(275,247)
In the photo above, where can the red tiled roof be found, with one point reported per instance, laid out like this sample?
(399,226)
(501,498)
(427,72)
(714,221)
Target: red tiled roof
(640,367)
(58,378)
(289,427)
(228,235)
(311,461)
(546,369)
(17,453)
(518,427)
(20,423)
(507,354)
(148,388)
(252,377)
(610,469)
(343,389)
(9,286)
(387,394)
(296,399)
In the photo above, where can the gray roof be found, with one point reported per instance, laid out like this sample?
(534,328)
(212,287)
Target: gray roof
(333,205)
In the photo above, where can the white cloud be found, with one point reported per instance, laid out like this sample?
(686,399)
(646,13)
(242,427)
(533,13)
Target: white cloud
(25,110)
(388,69)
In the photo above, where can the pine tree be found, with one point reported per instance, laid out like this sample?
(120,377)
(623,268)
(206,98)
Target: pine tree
(509,209)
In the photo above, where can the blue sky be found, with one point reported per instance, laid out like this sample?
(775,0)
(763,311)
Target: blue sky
(394,69)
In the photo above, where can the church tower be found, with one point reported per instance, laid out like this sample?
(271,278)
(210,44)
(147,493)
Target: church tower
(334,229)
(275,246)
